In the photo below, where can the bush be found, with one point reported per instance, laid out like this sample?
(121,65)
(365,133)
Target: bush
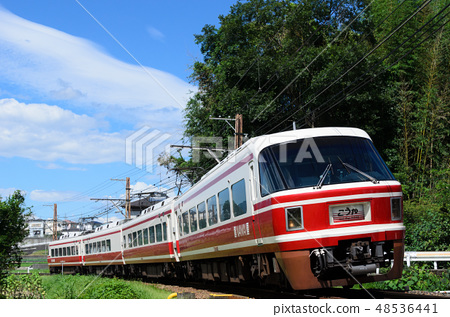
(27,286)
(95,287)
(427,226)
(418,278)
(109,289)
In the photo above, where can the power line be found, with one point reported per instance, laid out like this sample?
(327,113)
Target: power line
(383,70)
(396,29)
(314,59)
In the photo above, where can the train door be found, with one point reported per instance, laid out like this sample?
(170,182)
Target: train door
(123,242)
(78,248)
(255,217)
(173,235)
(82,252)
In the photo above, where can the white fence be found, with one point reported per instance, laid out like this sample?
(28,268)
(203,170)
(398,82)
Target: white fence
(427,256)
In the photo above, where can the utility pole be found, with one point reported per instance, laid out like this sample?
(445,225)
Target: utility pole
(238,128)
(55,222)
(128,199)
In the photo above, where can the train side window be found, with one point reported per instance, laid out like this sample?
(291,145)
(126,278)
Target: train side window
(158,233)
(69,251)
(212,210)
(99,248)
(124,242)
(152,234)
(239,198)
(193,219)
(180,225)
(86,248)
(145,235)
(52,252)
(64,251)
(201,215)
(140,237)
(224,204)
(56,252)
(185,222)
(90,248)
(72,249)
(164,231)
(130,241)
(103,246)
(134,239)
(94,247)
(108,245)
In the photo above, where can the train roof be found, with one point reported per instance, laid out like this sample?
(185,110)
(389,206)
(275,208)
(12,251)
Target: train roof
(256,144)
(281,137)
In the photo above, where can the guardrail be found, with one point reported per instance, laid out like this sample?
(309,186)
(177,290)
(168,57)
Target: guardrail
(427,256)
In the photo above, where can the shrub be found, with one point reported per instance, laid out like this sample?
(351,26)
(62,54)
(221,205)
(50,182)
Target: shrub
(427,226)
(27,286)
(109,289)
(417,277)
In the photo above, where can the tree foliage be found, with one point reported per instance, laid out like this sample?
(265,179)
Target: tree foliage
(269,61)
(383,66)
(13,215)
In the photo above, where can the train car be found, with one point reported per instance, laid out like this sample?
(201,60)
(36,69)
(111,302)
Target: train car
(88,252)
(302,209)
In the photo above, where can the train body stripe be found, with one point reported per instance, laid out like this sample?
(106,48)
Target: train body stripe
(330,199)
(303,236)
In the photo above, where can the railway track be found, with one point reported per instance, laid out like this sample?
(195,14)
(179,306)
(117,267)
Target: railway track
(237,291)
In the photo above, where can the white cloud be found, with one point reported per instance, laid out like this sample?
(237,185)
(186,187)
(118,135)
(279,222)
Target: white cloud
(6,192)
(141,186)
(110,219)
(58,65)
(53,195)
(155,33)
(54,166)
(50,133)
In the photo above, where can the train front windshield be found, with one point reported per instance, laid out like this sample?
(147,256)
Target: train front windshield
(321,161)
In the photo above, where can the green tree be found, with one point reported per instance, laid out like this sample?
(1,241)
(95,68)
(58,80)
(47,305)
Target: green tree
(273,61)
(418,94)
(382,66)
(13,215)
(269,60)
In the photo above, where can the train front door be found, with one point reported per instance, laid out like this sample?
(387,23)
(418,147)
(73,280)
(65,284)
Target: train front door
(255,217)
(173,236)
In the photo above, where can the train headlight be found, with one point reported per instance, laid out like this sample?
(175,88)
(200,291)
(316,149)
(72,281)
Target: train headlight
(294,218)
(396,208)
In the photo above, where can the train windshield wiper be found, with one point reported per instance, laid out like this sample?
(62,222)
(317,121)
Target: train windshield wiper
(322,177)
(348,166)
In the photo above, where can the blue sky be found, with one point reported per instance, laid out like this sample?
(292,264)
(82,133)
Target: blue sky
(79,77)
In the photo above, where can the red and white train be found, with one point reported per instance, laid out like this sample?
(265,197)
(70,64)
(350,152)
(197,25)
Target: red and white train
(306,208)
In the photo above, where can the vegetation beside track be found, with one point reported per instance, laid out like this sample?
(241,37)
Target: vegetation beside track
(29,286)
(418,277)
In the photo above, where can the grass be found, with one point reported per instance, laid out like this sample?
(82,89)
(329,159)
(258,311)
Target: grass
(93,287)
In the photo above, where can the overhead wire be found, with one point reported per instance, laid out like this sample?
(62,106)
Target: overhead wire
(396,29)
(314,59)
(383,70)
(361,39)
(169,181)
